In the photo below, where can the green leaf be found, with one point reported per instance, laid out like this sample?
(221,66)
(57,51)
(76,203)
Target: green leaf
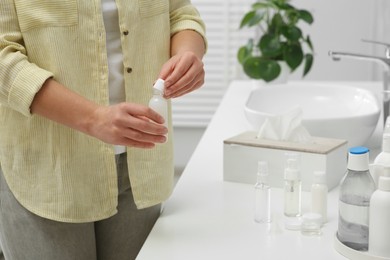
(285,6)
(245,51)
(306,16)
(260,68)
(292,33)
(271,4)
(242,54)
(270,45)
(247,18)
(308,63)
(277,21)
(293,55)
(293,16)
(308,41)
(252,18)
(281,4)
(260,5)
(250,44)
(252,67)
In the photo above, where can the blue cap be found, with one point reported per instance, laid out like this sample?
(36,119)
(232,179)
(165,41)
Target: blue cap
(358,150)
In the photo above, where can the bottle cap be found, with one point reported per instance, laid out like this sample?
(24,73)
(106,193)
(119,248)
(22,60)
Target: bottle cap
(291,172)
(384,183)
(358,158)
(386,142)
(311,222)
(312,217)
(159,85)
(293,223)
(319,177)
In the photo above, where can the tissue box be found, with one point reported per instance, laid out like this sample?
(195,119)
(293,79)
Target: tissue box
(242,152)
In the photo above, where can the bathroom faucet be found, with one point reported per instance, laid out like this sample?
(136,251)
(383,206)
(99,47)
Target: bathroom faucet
(385,61)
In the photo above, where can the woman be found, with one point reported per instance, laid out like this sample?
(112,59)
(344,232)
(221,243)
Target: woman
(85,163)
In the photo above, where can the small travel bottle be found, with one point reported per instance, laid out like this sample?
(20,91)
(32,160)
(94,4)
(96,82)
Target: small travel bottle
(379,224)
(262,194)
(319,195)
(382,160)
(311,224)
(292,189)
(158,103)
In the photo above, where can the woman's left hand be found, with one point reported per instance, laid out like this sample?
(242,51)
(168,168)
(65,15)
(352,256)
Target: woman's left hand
(183,73)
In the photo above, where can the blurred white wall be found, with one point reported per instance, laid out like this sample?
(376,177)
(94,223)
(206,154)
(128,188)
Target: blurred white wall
(340,25)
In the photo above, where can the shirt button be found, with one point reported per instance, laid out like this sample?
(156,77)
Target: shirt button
(126,32)
(129,70)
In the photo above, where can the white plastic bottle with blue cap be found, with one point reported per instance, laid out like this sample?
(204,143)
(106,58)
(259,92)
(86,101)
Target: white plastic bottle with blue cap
(354,200)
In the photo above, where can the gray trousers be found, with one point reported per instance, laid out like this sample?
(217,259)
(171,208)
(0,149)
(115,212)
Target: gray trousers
(24,235)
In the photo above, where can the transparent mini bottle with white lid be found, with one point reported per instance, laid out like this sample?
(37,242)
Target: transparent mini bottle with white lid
(158,103)
(319,195)
(354,200)
(386,128)
(380,219)
(311,224)
(262,194)
(292,189)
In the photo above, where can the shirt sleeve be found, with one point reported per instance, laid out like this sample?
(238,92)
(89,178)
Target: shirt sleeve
(184,16)
(20,79)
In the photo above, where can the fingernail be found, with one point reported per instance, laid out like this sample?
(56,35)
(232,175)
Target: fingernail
(163,139)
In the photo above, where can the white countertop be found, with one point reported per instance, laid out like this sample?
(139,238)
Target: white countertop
(208,218)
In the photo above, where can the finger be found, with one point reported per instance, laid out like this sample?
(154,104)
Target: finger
(194,86)
(187,87)
(140,111)
(145,126)
(144,137)
(186,80)
(137,144)
(166,69)
(180,68)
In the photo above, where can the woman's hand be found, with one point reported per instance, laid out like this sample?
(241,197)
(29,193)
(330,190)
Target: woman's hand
(128,124)
(183,73)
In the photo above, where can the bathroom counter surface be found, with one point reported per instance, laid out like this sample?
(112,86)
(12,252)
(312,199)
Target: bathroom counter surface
(208,218)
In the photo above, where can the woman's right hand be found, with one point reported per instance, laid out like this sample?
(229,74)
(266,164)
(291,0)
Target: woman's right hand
(128,124)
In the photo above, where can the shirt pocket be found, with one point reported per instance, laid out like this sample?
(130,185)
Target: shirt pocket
(51,13)
(150,8)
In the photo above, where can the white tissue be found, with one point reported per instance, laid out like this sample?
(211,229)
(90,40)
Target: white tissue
(285,127)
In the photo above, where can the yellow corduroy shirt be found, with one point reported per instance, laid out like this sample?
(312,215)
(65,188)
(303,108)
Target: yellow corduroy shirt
(57,172)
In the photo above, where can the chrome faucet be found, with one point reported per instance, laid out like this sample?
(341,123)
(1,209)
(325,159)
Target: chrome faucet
(385,61)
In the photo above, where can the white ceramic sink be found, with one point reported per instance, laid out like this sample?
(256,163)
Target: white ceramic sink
(332,110)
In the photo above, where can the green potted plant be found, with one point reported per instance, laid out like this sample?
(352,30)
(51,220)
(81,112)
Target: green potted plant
(281,39)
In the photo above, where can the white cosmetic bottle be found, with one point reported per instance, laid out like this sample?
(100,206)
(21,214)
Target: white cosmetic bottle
(379,237)
(292,189)
(382,160)
(158,103)
(319,195)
